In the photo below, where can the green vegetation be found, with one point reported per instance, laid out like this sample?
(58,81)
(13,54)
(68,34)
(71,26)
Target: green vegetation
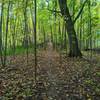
(49,49)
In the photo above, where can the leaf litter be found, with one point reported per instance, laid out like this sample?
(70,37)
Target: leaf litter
(58,78)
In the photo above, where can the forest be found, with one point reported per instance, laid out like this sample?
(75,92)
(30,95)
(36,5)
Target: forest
(49,49)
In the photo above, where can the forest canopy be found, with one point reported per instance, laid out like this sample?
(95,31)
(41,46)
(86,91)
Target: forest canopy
(48,14)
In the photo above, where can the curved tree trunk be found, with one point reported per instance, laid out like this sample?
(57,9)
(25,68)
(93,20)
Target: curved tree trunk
(73,42)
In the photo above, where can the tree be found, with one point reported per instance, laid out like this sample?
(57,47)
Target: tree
(73,41)
(6,35)
(35,37)
(2,7)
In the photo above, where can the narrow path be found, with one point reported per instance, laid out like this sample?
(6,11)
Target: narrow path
(51,74)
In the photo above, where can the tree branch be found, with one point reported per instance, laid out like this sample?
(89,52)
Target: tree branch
(78,15)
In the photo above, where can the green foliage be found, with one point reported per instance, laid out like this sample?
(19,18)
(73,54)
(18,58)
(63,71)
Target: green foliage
(19,50)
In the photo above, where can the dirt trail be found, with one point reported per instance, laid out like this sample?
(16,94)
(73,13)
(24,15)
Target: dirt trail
(51,74)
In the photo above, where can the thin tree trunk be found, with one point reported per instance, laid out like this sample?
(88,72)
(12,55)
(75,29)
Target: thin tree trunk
(35,37)
(44,38)
(6,38)
(80,39)
(90,34)
(26,29)
(65,39)
(14,39)
(1,55)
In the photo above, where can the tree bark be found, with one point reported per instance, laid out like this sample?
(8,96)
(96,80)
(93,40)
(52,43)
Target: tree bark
(1,22)
(73,42)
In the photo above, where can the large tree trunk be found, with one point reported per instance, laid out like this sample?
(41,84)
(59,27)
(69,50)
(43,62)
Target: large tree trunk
(73,42)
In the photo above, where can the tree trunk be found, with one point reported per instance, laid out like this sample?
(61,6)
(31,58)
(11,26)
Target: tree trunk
(1,22)
(44,38)
(73,42)
(6,35)
(35,38)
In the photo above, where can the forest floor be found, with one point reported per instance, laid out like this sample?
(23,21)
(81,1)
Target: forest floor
(58,78)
